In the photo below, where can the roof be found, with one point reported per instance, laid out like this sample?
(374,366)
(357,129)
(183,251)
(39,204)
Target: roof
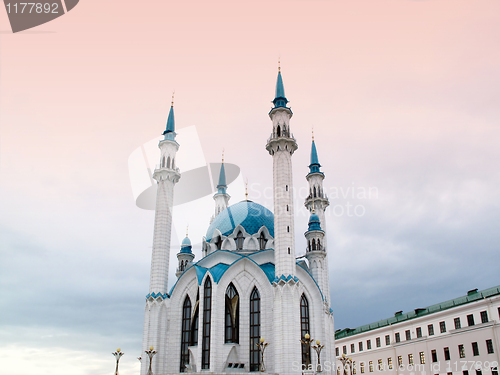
(170,122)
(279,98)
(314,223)
(186,245)
(399,317)
(314,166)
(251,216)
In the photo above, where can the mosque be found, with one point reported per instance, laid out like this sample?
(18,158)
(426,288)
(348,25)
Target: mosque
(249,287)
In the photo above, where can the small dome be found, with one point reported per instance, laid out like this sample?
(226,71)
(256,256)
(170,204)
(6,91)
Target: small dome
(186,245)
(314,223)
(249,215)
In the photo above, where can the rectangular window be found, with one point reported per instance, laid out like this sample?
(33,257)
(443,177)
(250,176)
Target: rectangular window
(461,351)
(410,359)
(370,365)
(434,356)
(458,325)
(397,337)
(408,335)
(449,373)
(352,348)
(499,312)
(344,349)
(442,327)
(380,365)
(422,358)
(389,363)
(337,351)
(475,349)
(489,346)
(368,344)
(484,316)
(494,371)
(430,328)
(465,372)
(400,361)
(387,340)
(470,320)
(478,372)
(360,344)
(377,340)
(419,332)
(446,354)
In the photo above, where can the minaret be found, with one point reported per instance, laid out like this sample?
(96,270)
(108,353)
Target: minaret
(286,305)
(166,175)
(316,254)
(318,201)
(221,198)
(185,256)
(281,145)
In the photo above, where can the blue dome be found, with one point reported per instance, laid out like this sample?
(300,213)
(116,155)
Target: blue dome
(314,223)
(186,245)
(249,215)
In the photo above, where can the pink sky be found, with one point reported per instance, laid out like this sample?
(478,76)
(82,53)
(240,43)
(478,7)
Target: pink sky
(403,95)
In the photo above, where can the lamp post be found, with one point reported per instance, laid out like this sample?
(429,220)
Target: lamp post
(307,343)
(262,346)
(346,363)
(151,352)
(118,354)
(318,347)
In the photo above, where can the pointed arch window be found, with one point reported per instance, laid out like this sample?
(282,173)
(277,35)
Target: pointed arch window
(304,328)
(254,329)
(168,162)
(319,244)
(207,312)
(163,162)
(186,326)
(218,243)
(262,241)
(239,241)
(232,324)
(313,244)
(314,192)
(278,131)
(195,320)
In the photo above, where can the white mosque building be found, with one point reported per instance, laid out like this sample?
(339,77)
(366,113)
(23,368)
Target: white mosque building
(249,283)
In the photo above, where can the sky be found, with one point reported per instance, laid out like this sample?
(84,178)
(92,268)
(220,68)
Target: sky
(403,98)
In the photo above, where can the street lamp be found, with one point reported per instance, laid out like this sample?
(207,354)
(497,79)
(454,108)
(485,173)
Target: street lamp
(151,352)
(307,343)
(346,362)
(262,346)
(318,347)
(118,354)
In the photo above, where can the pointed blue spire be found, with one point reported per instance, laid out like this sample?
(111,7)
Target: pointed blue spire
(169,132)
(221,187)
(314,166)
(279,98)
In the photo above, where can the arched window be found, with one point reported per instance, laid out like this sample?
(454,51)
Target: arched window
(284,131)
(262,241)
(319,245)
(186,326)
(163,162)
(168,162)
(207,312)
(194,321)
(218,243)
(254,329)
(313,244)
(232,324)
(239,241)
(173,163)
(314,192)
(278,131)
(304,328)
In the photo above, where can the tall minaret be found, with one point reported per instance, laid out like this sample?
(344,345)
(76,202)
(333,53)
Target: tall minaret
(318,201)
(167,175)
(286,305)
(155,315)
(281,145)
(221,198)
(316,252)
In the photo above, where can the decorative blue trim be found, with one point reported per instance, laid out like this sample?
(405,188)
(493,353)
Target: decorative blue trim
(156,295)
(285,278)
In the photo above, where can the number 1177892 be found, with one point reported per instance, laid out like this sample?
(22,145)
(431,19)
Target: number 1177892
(16,7)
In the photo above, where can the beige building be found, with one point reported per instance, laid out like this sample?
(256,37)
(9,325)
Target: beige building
(456,337)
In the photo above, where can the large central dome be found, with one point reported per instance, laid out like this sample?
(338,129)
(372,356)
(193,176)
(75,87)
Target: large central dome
(249,215)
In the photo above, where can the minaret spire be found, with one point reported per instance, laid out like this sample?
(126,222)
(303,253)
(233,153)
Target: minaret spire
(221,198)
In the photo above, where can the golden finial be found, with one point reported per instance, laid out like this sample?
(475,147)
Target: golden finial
(312,129)
(279,64)
(246,190)
(173,93)
(222,156)
(313,207)
(187,230)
